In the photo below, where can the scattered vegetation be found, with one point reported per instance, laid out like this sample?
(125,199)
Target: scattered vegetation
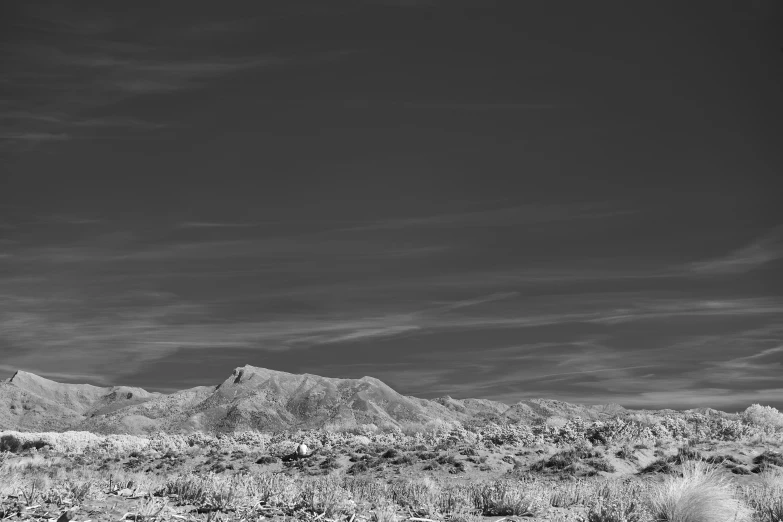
(574,461)
(443,471)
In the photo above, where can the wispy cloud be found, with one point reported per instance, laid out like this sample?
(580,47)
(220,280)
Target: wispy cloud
(449,106)
(764,250)
(213,224)
(509,216)
(479,106)
(597,370)
(658,309)
(480,300)
(35,137)
(149,77)
(63,120)
(64,71)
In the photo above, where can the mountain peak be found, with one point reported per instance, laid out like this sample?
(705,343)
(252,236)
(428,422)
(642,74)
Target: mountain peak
(21,374)
(22,378)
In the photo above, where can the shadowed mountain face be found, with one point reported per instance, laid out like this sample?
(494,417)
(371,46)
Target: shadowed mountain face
(251,398)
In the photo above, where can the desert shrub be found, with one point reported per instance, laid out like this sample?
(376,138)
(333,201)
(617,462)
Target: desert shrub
(763,416)
(34,444)
(10,443)
(626,453)
(359,467)
(220,467)
(427,455)
(702,494)
(411,429)
(721,459)
(406,459)
(558,461)
(767,460)
(658,466)
(769,457)
(330,463)
(570,460)
(599,464)
(268,459)
(446,459)
(390,453)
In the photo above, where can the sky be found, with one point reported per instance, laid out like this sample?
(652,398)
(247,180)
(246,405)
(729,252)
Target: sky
(489,199)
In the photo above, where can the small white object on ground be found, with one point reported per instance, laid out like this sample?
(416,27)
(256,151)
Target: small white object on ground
(301,450)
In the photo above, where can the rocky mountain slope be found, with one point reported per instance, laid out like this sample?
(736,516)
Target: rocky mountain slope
(251,398)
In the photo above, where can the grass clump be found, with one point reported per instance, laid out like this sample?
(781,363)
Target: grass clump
(765,497)
(702,494)
(506,498)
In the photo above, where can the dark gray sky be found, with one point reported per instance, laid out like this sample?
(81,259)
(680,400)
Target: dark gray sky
(506,200)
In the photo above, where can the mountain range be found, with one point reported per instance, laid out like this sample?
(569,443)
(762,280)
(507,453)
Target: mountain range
(252,398)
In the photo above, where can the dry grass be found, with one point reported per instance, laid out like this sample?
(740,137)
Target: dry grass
(765,497)
(702,494)
(508,498)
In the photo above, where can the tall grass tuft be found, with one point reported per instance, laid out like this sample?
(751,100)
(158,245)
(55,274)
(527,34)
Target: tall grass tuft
(702,494)
(326,495)
(765,497)
(507,498)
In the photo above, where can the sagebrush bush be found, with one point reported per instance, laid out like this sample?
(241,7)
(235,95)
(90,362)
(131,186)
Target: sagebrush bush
(763,416)
(34,444)
(10,443)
